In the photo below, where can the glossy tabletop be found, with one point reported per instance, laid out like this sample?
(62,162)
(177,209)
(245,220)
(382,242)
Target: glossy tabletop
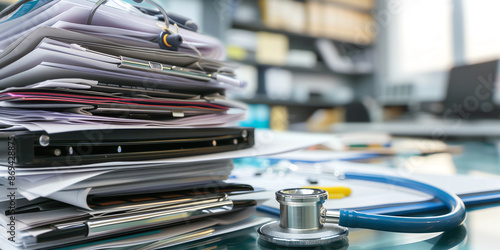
(480,231)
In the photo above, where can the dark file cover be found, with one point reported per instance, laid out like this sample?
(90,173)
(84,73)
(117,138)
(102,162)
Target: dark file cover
(23,148)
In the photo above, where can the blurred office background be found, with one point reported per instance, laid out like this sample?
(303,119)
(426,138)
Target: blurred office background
(311,64)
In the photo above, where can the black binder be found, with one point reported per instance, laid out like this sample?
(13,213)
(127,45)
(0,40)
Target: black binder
(23,148)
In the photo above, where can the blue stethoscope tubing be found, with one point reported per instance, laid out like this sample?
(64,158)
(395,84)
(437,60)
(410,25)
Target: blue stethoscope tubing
(349,218)
(428,224)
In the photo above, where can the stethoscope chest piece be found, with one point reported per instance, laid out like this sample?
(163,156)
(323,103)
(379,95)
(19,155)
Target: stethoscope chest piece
(301,221)
(272,232)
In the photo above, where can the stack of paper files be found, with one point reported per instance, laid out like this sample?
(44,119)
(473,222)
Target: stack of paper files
(108,140)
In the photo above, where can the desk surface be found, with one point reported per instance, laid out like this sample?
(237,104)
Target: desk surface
(480,231)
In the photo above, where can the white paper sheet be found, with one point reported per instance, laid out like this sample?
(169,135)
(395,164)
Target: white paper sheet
(365,193)
(321,155)
(76,197)
(50,70)
(50,122)
(38,185)
(113,179)
(46,186)
(68,57)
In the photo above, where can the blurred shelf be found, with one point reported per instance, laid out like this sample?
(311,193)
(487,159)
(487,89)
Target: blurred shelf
(320,68)
(256,26)
(347,6)
(7,2)
(312,103)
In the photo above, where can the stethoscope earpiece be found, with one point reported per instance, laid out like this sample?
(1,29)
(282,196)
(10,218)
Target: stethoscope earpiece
(169,41)
(166,39)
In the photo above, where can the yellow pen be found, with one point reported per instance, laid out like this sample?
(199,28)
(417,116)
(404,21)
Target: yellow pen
(337,192)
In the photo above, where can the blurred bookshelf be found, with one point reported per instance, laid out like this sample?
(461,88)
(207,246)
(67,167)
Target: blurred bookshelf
(315,102)
(288,47)
(259,26)
(7,2)
(319,68)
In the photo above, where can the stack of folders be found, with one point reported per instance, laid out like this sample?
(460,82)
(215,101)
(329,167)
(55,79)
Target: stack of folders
(109,140)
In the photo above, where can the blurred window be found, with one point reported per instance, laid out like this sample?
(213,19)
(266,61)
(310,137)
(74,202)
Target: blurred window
(481,31)
(422,38)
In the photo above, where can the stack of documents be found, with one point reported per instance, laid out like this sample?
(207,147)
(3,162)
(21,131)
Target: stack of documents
(106,139)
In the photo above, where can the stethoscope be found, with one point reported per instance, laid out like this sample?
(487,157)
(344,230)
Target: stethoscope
(305,222)
(167,39)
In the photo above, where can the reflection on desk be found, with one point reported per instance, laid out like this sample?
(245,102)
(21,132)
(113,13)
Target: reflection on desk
(478,232)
